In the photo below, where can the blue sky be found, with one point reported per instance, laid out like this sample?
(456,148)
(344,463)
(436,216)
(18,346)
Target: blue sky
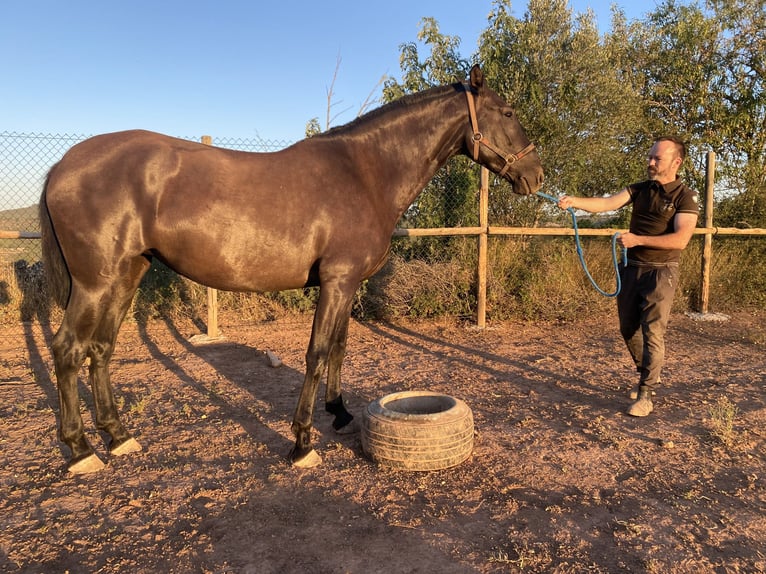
(227,68)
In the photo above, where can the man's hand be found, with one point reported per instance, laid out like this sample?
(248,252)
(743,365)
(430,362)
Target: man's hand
(565,202)
(628,239)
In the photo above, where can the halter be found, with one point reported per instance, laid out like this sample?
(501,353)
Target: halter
(478,138)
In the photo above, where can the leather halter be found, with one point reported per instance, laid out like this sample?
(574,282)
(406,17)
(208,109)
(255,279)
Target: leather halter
(478,138)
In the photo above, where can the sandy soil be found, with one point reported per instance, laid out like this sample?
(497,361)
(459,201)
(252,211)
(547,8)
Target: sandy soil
(560,480)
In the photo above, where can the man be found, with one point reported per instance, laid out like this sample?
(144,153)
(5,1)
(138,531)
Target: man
(664,216)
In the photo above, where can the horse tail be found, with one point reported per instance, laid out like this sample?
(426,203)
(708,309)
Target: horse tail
(56,271)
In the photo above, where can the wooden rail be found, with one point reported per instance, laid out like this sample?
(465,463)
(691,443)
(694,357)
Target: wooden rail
(553,231)
(19,234)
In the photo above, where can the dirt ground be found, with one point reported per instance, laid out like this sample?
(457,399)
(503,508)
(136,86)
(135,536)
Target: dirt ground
(560,480)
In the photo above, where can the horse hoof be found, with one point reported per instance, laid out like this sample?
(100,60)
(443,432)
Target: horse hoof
(308,460)
(350,428)
(86,465)
(127,447)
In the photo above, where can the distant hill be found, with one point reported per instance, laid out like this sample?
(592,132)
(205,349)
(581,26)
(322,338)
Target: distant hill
(21,219)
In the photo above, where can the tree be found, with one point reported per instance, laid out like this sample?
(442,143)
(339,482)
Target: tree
(740,85)
(313,127)
(573,92)
(593,103)
(677,53)
(704,81)
(442,66)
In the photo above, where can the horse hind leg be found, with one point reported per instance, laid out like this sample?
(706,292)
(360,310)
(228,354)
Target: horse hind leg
(69,348)
(107,417)
(100,353)
(68,355)
(89,328)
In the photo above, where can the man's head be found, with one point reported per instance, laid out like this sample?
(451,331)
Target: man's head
(665,158)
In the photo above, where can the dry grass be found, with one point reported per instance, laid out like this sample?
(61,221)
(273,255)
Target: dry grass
(722,416)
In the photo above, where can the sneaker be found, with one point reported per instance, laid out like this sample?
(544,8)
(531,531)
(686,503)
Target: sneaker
(641,408)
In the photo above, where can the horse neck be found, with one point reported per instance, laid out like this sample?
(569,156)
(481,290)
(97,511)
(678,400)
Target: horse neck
(404,144)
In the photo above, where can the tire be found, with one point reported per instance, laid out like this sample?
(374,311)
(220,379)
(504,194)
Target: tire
(417,430)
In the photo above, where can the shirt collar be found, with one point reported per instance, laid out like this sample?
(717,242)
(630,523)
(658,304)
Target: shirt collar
(667,187)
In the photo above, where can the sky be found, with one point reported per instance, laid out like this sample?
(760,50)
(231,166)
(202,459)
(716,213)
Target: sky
(230,69)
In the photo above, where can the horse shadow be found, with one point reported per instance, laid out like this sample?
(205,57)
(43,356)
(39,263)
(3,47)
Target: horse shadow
(272,392)
(35,307)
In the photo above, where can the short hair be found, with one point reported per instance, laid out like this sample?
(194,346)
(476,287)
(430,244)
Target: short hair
(679,143)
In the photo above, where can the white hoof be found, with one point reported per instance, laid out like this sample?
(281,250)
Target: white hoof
(350,428)
(311,460)
(87,465)
(129,446)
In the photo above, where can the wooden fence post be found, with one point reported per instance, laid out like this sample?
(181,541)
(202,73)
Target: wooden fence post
(212,294)
(707,245)
(481,295)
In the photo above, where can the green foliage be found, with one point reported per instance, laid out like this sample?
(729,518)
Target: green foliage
(739,273)
(161,293)
(569,89)
(313,128)
(746,210)
(443,66)
(740,95)
(449,199)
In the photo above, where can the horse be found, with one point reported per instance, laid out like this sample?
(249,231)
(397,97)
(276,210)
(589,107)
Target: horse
(320,212)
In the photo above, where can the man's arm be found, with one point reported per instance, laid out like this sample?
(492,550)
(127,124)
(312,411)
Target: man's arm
(596,204)
(683,229)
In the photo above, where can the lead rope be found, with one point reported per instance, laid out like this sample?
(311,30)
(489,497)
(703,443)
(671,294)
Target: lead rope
(578,246)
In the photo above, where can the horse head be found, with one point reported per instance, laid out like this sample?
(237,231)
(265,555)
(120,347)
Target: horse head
(497,139)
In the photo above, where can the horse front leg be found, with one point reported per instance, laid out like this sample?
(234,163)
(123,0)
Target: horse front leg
(330,322)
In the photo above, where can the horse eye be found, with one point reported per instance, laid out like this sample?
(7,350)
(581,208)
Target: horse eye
(509,114)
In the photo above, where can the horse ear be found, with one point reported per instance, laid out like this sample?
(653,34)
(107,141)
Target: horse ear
(477,78)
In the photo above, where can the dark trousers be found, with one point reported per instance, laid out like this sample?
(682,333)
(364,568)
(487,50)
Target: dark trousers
(643,306)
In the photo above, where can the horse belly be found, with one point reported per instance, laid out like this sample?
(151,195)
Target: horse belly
(234,258)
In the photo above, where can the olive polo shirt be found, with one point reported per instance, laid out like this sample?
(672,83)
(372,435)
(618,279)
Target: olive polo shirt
(654,209)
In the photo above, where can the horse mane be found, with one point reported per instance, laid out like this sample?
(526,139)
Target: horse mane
(404,102)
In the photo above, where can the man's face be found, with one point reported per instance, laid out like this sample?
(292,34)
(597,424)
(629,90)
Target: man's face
(662,163)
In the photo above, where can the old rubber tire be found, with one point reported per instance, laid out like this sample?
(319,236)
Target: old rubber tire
(417,430)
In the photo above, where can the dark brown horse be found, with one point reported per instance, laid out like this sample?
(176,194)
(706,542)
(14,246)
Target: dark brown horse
(319,213)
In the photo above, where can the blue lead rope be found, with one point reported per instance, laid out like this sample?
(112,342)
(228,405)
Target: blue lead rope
(578,246)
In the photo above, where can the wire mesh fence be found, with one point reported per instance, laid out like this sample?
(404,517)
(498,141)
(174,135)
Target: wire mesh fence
(25,159)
